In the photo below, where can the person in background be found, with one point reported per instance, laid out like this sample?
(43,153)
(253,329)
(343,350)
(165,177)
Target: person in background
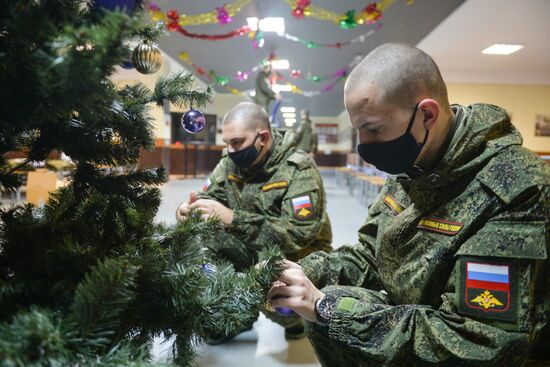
(264,191)
(306,138)
(264,94)
(452,266)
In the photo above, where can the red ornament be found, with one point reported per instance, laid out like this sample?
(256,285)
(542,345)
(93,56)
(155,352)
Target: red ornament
(173,14)
(200,71)
(300,8)
(372,12)
(295,73)
(173,26)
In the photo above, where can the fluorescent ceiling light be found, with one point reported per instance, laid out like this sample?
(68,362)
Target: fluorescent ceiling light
(281,88)
(276,24)
(501,49)
(280,64)
(288,109)
(290,121)
(290,115)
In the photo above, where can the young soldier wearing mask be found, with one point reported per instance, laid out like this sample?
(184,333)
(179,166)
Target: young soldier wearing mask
(264,191)
(451,268)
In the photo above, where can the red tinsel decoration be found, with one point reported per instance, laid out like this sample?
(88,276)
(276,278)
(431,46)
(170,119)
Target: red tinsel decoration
(211,37)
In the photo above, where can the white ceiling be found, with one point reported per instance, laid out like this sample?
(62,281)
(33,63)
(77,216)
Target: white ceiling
(456,43)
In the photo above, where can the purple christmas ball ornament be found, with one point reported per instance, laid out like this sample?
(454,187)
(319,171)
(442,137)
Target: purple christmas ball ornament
(193,121)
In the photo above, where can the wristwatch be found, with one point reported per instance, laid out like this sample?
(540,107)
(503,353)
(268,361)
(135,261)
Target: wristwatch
(324,307)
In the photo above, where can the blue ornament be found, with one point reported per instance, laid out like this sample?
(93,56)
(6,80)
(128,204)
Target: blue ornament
(285,311)
(125,5)
(127,64)
(193,121)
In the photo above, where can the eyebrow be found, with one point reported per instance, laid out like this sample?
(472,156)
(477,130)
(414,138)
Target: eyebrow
(369,124)
(232,140)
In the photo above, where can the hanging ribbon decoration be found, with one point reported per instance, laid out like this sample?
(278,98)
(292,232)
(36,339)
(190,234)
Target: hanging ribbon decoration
(223,81)
(222,15)
(349,20)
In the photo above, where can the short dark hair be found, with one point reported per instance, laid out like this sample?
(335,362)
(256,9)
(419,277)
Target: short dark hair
(254,116)
(402,72)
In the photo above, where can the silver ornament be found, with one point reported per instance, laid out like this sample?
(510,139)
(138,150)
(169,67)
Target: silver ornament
(147,58)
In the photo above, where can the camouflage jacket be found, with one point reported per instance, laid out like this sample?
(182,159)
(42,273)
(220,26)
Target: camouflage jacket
(282,202)
(459,255)
(306,139)
(264,93)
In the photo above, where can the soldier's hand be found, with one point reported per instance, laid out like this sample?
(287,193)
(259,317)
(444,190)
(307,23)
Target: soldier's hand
(297,293)
(184,208)
(212,208)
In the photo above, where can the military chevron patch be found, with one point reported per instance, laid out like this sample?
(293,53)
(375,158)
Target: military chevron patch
(274,185)
(488,290)
(393,204)
(302,207)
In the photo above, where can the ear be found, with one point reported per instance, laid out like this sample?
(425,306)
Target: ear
(264,136)
(430,111)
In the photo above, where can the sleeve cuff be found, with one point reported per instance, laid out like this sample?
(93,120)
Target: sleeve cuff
(339,326)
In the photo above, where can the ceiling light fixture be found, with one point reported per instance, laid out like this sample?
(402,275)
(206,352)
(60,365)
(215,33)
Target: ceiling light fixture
(291,115)
(290,121)
(280,64)
(288,109)
(277,88)
(271,24)
(501,49)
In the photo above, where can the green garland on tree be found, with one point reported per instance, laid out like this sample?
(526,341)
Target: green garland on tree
(89,279)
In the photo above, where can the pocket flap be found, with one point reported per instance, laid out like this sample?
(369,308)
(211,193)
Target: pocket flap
(520,240)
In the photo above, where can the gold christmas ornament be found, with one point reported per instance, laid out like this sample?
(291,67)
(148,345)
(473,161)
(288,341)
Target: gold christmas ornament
(147,58)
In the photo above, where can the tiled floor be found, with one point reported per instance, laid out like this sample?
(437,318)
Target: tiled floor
(265,344)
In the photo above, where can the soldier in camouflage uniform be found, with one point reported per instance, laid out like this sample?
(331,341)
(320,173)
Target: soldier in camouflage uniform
(265,192)
(306,139)
(451,268)
(264,94)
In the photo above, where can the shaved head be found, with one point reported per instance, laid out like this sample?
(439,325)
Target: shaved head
(250,115)
(401,73)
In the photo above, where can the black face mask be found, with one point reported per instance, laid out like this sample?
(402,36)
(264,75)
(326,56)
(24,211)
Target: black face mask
(244,158)
(394,156)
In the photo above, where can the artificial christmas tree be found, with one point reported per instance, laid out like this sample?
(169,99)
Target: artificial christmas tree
(89,279)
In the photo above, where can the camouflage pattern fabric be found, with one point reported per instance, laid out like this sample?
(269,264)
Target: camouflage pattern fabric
(451,268)
(264,94)
(306,139)
(282,202)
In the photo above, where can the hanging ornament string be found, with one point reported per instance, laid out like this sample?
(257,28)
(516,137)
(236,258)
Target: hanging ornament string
(221,15)
(211,37)
(172,25)
(243,75)
(223,81)
(349,20)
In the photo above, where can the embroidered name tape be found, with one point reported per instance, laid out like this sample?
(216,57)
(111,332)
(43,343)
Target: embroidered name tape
(275,185)
(488,291)
(440,226)
(393,204)
(302,207)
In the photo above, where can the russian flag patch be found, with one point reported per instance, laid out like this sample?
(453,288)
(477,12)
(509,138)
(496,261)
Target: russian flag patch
(488,290)
(206,184)
(302,207)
